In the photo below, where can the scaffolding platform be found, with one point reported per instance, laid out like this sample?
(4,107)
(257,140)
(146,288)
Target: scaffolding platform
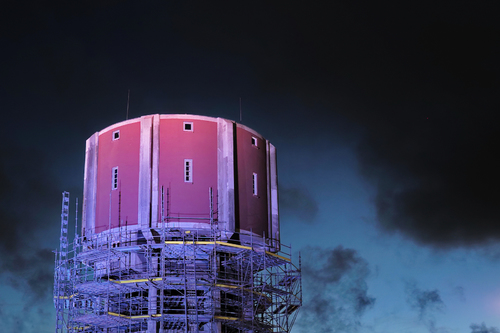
(173,280)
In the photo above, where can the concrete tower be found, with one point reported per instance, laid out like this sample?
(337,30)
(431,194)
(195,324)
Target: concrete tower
(180,233)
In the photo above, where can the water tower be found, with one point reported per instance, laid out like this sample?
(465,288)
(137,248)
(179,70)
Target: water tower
(179,233)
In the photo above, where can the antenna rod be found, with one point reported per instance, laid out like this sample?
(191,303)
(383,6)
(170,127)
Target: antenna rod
(241,115)
(128,103)
(76,219)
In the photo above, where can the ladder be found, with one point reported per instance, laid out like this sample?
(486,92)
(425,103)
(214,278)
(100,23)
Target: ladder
(61,297)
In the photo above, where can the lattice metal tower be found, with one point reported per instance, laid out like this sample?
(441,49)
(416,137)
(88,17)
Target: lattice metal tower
(179,233)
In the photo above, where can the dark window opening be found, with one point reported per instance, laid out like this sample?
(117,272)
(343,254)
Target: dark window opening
(188,171)
(254,183)
(114,178)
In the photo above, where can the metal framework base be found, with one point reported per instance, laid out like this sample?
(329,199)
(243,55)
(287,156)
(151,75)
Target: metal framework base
(175,280)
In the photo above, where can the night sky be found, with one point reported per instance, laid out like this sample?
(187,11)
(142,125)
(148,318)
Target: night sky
(383,114)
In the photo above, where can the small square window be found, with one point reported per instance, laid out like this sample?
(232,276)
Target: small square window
(116,135)
(254,141)
(188,126)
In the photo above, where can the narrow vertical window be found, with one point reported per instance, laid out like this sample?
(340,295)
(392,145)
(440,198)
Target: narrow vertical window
(188,126)
(254,141)
(254,183)
(188,170)
(114,178)
(116,135)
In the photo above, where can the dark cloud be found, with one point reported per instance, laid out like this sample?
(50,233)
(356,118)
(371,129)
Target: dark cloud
(475,328)
(335,290)
(31,271)
(35,319)
(435,177)
(422,87)
(28,220)
(298,201)
(426,302)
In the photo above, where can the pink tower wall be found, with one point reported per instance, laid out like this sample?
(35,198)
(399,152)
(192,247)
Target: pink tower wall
(253,210)
(189,199)
(150,154)
(123,153)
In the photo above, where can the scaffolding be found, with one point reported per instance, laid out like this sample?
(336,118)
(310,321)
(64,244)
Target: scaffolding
(173,280)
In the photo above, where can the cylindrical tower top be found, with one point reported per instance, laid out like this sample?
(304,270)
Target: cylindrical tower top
(181,171)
